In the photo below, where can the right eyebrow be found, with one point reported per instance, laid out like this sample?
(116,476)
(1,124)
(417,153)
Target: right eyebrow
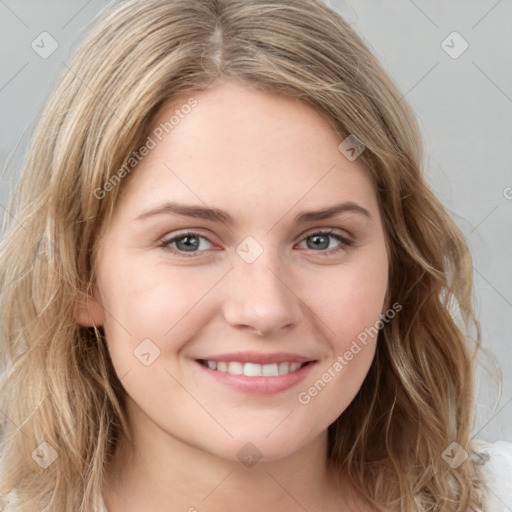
(200,212)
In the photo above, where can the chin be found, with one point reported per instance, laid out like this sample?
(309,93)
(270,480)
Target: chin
(257,446)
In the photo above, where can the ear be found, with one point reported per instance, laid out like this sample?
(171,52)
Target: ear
(88,310)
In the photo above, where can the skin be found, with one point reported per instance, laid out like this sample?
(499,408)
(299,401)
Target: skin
(263,158)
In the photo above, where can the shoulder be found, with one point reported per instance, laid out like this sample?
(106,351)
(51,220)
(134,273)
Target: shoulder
(494,461)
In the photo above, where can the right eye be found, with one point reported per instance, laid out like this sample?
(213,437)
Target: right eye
(187,244)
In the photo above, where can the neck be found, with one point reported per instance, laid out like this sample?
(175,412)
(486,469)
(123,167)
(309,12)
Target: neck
(158,471)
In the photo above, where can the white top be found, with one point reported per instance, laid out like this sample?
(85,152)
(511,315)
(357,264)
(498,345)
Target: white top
(496,463)
(495,460)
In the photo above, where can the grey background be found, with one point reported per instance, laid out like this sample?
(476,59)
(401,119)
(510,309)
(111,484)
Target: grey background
(463,104)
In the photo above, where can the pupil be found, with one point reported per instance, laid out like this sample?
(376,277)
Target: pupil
(188,246)
(321,245)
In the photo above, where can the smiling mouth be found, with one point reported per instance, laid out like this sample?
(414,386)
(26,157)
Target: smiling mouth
(253,369)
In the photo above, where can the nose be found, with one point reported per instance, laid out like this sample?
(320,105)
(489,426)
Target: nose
(260,297)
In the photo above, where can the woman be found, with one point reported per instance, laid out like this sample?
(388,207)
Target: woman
(240,291)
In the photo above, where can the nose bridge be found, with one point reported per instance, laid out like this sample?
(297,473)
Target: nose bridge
(259,295)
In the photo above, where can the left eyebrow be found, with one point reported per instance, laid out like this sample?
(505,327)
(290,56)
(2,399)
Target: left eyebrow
(347,206)
(218,215)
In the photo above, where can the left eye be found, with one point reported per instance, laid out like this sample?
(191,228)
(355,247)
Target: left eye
(320,240)
(191,243)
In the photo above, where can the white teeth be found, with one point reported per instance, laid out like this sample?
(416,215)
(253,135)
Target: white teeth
(236,368)
(270,370)
(253,369)
(294,366)
(284,368)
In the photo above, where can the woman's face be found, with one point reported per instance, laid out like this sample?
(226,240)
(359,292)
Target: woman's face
(215,279)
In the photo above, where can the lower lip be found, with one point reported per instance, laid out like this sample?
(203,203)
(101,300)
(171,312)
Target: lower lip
(259,385)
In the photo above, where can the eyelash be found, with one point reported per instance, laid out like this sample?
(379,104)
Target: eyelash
(345,243)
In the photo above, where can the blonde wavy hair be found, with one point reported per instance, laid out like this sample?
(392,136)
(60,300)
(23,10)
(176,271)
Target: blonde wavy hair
(59,386)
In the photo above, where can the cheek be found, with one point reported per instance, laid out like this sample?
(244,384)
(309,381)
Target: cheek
(151,314)
(146,300)
(351,300)
(350,307)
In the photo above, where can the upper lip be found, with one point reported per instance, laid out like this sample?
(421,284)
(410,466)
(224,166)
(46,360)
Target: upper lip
(259,358)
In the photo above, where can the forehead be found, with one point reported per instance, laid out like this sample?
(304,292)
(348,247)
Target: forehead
(248,148)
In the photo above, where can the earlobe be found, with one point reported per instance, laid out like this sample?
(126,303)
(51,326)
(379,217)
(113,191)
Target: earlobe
(88,311)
